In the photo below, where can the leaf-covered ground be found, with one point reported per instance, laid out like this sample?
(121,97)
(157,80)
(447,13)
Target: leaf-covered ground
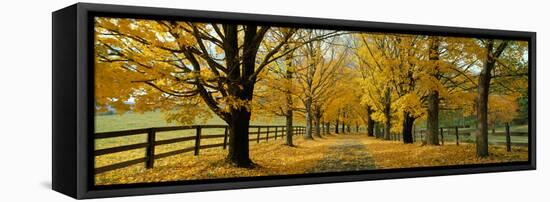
(272,158)
(346,154)
(328,154)
(393,154)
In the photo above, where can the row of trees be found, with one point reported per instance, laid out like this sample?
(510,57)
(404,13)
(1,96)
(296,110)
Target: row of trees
(193,71)
(412,77)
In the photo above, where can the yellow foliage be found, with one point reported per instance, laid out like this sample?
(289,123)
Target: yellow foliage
(389,154)
(502,108)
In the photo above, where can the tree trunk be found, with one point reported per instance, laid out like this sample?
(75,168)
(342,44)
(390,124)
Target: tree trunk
(432,132)
(238,138)
(432,121)
(317,121)
(239,123)
(387,115)
(484,81)
(343,127)
(370,122)
(408,123)
(482,146)
(323,128)
(377,132)
(336,126)
(290,105)
(317,125)
(482,136)
(317,128)
(309,119)
(289,130)
(239,119)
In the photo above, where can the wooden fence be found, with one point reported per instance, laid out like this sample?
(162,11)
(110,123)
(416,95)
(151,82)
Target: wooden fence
(149,145)
(457,134)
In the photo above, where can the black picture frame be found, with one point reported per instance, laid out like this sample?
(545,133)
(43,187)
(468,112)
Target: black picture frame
(73,108)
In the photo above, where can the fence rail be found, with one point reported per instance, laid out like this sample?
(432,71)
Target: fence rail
(151,143)
(458,134)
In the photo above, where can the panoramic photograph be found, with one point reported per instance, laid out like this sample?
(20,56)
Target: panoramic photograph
(182,100)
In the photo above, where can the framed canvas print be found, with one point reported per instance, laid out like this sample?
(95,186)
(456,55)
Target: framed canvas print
(154,100)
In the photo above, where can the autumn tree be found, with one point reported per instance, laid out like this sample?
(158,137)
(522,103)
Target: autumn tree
(280,94)
(316,73)
(389,67)
(503,59)
(502,109)
(344,106)
(207,64)
(380,63)
(362,69)
(424,74)
(432,123)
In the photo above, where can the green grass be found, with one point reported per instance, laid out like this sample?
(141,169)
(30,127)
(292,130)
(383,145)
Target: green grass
(450,137)
(513,128)
(128,121)
(132,120)
(492,138)
(498,137)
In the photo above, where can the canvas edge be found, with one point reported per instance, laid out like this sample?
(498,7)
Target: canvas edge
(82,143)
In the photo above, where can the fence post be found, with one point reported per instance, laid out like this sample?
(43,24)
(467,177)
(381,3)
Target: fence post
(258,136)
(276,127)
(441,134)
(456,133)
(225,138)
(150,151)
(267,135)
(198,140)
(508,139)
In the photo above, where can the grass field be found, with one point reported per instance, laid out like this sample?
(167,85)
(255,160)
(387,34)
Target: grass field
(128,121)
(493,138)
(451,138)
